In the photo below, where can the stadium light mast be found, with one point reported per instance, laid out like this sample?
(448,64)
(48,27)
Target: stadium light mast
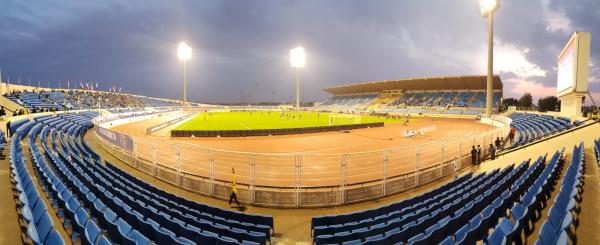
(488,7)
(184,53)
(298,60)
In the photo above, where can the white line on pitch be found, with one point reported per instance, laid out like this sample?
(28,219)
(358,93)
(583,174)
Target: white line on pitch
(244,126)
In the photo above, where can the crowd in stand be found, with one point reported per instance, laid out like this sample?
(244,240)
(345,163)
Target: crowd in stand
(3,112)
(47,101)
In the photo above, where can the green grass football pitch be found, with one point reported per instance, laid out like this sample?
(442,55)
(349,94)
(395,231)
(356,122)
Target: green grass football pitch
(270,120)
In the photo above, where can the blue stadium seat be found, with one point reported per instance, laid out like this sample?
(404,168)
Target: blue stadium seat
(102,240)
(92,232)
(135,238)
(54,238)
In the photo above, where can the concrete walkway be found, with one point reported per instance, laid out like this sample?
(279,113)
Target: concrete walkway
(10,232)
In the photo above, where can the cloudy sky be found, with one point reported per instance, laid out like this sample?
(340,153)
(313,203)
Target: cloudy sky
(242,46)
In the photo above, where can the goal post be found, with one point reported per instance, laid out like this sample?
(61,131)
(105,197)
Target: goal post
(344,119)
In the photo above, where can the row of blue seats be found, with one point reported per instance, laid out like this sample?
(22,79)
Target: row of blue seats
(474,214)
(349,100)
(438,219)
(14,125)
(171,202)
(65,193)
(597,150)
(474,226)
(400,210)
(101,221)
(2,141)
(457,99)
(532,127)
(120,224)
(32,209)
(259,222)
(68,206)
(76,150)
(234,220)
(528,210)
(559,227)
(478,210)
(33,100)
(182,222)
(68,122)
(85,100)
(323,222)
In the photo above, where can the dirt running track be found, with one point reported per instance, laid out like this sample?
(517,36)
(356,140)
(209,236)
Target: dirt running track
(321,155)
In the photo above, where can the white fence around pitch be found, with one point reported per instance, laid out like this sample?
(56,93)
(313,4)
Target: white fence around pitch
(302,179)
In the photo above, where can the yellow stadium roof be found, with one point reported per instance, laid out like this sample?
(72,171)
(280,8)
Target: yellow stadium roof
(430,83)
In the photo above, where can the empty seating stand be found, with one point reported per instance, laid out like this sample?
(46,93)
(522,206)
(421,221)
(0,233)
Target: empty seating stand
(463,211)
(597,150)
(559,227)
(101,204)
(532,127)
(32,210)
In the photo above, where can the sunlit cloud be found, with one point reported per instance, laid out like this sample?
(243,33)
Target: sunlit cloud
(512,59)
(556,19)
(594,73)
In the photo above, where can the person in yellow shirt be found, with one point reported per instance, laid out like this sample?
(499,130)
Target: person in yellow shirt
(233,195)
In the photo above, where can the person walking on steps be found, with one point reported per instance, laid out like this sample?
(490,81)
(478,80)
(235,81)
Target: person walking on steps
(233,195)
(492,152)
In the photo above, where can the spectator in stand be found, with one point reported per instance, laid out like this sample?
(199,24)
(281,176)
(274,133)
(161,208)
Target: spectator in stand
(492,152)
(497,142)
(511,135)
(8,129)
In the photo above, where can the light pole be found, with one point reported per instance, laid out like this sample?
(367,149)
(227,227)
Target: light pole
(184,53)
(488,7)
(298,60)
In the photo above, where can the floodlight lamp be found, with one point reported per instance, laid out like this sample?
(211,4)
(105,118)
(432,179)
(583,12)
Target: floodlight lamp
(297,57)
(184,52)
(488,6)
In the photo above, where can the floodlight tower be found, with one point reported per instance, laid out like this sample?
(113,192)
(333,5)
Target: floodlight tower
(184,53)
(298,60)
(488,7)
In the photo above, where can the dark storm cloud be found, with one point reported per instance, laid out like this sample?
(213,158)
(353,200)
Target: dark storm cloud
(239,44)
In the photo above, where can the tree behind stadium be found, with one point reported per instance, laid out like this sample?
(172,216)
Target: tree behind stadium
(526,100)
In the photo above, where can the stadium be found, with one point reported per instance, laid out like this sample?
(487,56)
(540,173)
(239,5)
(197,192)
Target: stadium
(429,160)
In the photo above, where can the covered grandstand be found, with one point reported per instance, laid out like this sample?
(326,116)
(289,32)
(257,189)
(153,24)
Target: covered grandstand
(436,95)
